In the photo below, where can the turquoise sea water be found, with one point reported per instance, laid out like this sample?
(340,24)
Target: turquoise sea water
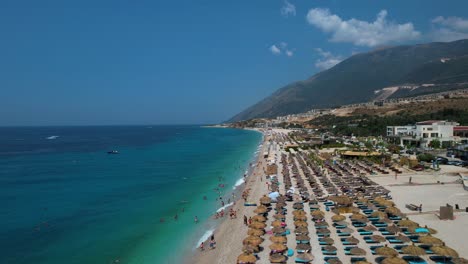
(65,200)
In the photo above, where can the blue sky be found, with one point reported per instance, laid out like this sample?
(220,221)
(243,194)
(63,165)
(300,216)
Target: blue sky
(171,62)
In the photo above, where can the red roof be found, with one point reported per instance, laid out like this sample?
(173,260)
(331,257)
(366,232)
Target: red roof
(460,128)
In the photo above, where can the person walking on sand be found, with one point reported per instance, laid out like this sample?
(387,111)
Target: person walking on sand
(396,175)
(245,220)
(410,179)
(250,220)
(202,246)
(420,208)
(212,243)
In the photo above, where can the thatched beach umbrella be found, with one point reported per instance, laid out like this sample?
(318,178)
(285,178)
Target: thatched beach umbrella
(300,217)
(278,239)
(253,240)
(338,217)
(342,200)
(330,248)
(302,230)
(327,240)
(334,261)
(278,230)
(277,258)
(305,257)
(257,225)
(279,217)
(249,249)
(378,238)
(298,206)
(261,209)
(304,247)
(459,261)
(318,214)
(347,230)
(430,240)
(321,224)
(386,251)
(359,217)
(299,212)
(407,223)
(302,237)
(392,229)
(246,259)
(342,223)
(413,250)
(279,247)
(393,211)
(379,214)
(259,218)
(265,200)
(394,260)
(370,228)
(277,223)
(255,232)
(444,251)
(323,231)
(362,262)
(300,223)
(352,240)
(403,238)
(357,251)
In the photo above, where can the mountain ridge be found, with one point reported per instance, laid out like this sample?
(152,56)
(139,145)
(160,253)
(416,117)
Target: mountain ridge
(356,79)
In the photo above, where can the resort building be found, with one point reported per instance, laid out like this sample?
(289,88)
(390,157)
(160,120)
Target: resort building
(422,133)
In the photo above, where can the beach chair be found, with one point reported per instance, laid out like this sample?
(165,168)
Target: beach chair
(369,240)
(395,218)
(299,260)
(326,252)
(373,219)
(380,224)
(414,238)
(399,247)
(441,259)
(414,260)
(427,248)
(373,248)
(329,203)
(347,250)
(327,259)
(393,240)
(358,224)
(344,242)
(343,234)
(250,204)
(357,259)
(339,226)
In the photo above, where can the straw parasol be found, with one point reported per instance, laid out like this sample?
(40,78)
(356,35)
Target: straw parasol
(327,240)
(320,224)
(459,261)
(413,250)
(378,238)
(357,251)
(265,200)
(259,218)
(342,200)
(334,261)
(302,237)
(249,249)
(392,229)
(430,240)
(407,223)
(278,247)
(261,209)
(403,238)
(330,248)
(318,214)
(393,260)
(370,228)
(257,225)
(393,211)
(343,223)
(352,240)
(246,258)
(302,230)
(338,217)
(298,212)
(300,223)
(277,223)
(347,230)
(253,240)
(277,258)
(386,251)
(444,251)
(358,217)
(305,247)
(278,239)
(278,230)
(305,257)
(362,262)
(323,231)
(379,214)
(279,216)
(255,232)
(300,217)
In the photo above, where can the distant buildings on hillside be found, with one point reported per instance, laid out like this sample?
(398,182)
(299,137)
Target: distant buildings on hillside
(422,133)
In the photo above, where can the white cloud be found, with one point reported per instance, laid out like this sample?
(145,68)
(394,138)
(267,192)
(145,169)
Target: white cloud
(361,33)
(280,48)
(275,50)
(288,9)
(327,59)
(449,28)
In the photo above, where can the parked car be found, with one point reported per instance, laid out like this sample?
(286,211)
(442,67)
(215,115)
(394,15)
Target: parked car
(418,167)
(442,160)
(453,162)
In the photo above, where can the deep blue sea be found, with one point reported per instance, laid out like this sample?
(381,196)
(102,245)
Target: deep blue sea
(65,200)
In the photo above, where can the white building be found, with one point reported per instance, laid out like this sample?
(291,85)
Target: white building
(423,132)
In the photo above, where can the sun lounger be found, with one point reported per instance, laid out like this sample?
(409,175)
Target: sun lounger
(250,204)
(441,259)
(427,248)
(399,247)
(341,234)
(302,242)
(328,259)
(373,219)
(357,259)
(339,226)
(394,218)
(394,240)
(299,260)
(380,224)
(347,250)
(358,224)
(344,242)
(414,260)
(329,203)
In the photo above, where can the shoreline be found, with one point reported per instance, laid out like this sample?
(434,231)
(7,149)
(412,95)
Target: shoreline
(229,231)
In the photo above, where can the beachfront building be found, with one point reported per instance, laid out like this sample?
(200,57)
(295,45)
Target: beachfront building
(422,133)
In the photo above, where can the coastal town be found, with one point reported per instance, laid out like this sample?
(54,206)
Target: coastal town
(317,197)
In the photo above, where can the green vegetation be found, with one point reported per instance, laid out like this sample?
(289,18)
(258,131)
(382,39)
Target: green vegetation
(426,157)
(435,143)
(368,125)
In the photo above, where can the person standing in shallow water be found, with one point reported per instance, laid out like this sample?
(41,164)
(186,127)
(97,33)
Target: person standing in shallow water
(196,219)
